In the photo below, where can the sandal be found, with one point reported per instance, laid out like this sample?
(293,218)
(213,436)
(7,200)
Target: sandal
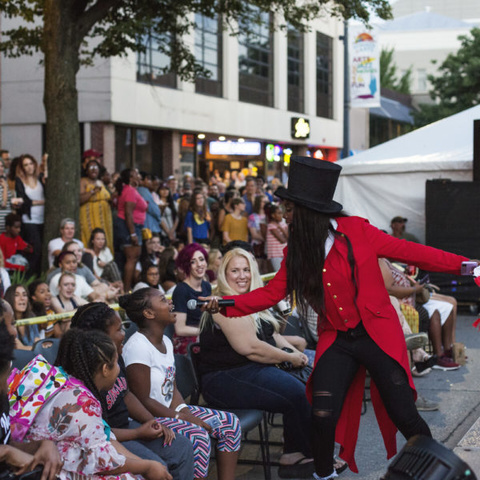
(297,469)
(339,465)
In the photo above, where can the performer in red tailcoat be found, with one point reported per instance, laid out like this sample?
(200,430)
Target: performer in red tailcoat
(331,263)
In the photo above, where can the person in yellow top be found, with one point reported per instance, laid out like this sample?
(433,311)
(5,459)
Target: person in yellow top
(235,225)
(95,210)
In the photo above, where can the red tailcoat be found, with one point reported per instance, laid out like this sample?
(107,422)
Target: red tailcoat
(372,306)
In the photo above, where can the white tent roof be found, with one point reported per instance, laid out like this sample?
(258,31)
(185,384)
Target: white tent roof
(389,179)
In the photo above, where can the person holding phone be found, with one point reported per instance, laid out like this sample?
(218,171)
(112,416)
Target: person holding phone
(331,264)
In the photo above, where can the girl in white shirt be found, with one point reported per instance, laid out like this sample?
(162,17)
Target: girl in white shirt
(150,363)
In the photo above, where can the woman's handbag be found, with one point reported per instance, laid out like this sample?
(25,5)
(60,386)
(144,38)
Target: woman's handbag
(300,373)
(423,296)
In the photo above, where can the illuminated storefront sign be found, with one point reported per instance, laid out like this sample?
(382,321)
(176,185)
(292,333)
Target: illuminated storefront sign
(300,128)
(273,153)
(235,148)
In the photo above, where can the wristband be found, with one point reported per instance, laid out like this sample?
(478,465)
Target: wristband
(133,234)
(180,407)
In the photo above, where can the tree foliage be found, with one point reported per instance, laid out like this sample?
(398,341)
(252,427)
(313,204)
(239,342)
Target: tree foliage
(388,73)
(457,85)
(120,25)
(71,32)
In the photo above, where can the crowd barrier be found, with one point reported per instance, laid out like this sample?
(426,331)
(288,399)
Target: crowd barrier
(61,316)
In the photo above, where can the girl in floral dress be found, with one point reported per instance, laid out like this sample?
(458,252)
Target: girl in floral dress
(72,419)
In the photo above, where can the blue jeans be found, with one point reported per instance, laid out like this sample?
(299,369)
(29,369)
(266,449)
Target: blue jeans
(268,388)
(178,456)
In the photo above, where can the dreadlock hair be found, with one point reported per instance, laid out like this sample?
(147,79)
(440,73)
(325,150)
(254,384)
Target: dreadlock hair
(82,353)
(306,256)
(135,303)
(93,316)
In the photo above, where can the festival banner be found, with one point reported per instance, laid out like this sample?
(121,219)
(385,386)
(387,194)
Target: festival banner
(364,63)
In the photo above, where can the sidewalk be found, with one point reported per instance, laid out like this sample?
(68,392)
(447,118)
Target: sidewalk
(468,449)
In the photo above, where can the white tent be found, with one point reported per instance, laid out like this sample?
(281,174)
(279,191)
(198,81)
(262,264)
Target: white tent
(389,179)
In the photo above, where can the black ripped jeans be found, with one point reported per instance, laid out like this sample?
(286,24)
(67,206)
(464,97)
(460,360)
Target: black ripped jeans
(333,374)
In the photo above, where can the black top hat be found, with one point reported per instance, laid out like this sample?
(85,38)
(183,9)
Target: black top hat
(312,183)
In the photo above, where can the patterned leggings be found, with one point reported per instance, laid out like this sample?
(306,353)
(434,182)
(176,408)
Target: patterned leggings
(228,435)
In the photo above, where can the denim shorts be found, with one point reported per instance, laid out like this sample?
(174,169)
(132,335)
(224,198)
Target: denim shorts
(122,234)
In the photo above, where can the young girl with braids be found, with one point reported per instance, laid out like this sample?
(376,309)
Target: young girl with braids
(332,264)
(15,456)
(133,425)
(150,362)
(74,418)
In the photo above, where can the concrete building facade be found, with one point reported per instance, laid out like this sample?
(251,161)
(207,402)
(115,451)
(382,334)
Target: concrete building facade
(261,104)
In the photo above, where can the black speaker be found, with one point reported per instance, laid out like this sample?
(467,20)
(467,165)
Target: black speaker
(452,211)
(423,458)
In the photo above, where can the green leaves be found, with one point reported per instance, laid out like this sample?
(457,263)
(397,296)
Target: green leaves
(457,85)
(117,26)
(388,73)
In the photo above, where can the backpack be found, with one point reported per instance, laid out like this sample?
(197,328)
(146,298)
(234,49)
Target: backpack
(29,389)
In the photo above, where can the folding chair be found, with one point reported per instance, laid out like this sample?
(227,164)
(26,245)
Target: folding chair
(249,418)
(48,348)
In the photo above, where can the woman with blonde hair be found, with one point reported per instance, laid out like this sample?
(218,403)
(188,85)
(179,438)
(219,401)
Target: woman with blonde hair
(214,261)
(66,300)
(238,358)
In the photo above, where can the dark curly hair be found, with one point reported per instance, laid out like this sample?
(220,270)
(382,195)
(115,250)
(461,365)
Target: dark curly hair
(135,303)
(143,274)
(92,236)
(93,316)
(82,353)
(123,179)
(186,254)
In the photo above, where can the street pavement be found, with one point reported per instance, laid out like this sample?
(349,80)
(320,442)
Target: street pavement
(456,424)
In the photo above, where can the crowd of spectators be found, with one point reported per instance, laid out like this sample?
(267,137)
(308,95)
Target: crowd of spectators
(159,238)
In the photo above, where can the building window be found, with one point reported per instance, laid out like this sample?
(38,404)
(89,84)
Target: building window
(421,80)
(255,62)
(295,71)
(152,62)
(324,76)
(208,53)
(138,148)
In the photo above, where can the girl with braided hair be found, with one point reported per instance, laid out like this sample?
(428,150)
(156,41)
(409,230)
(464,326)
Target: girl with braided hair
(133,425)
(15,456)
(150,362)
(74,418)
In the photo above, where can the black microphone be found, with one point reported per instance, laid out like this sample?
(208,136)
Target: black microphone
(193,304)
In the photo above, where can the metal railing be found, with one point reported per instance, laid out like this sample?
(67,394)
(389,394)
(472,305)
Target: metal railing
(55,317)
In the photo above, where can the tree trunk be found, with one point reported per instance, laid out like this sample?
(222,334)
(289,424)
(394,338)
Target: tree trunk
(61,50)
